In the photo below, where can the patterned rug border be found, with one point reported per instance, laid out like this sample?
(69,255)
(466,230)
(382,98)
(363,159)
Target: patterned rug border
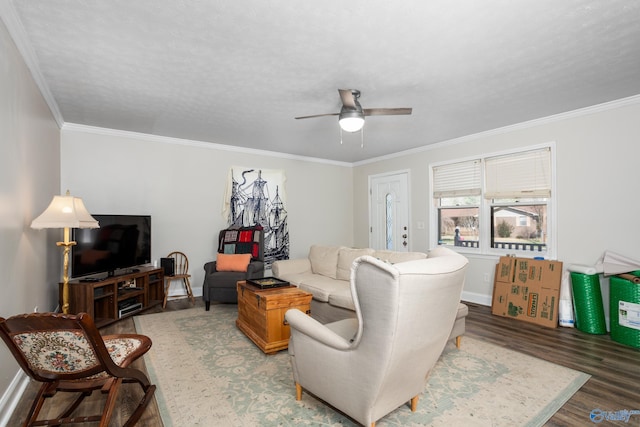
(169,319)
(165,414)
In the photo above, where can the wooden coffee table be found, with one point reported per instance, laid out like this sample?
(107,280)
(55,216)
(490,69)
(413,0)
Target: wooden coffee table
(261,314)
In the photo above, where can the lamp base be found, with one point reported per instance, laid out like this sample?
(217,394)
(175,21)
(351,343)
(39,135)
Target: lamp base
(66,244)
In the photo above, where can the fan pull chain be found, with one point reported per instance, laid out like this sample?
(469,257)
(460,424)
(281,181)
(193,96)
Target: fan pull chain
(361,137)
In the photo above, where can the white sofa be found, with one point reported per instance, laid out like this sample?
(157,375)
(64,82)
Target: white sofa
(326,272)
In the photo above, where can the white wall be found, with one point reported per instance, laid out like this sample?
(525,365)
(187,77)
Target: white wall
(181,185)
(29,178)
(597,185)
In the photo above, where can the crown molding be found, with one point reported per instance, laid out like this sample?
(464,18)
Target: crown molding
(74,127)
(606,106)
(16,31)
(619,103)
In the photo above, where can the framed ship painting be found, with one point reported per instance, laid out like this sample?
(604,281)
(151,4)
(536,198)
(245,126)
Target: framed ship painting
(257,197)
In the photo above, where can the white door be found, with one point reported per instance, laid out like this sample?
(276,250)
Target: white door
(389,211)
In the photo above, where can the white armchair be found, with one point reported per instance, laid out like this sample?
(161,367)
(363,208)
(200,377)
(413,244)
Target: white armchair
(369,366)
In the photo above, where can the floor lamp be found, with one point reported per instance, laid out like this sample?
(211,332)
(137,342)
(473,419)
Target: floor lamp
(65,212)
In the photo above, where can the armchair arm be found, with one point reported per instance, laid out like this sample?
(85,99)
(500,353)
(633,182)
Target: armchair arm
(255,269)
(300,322)
(210,267)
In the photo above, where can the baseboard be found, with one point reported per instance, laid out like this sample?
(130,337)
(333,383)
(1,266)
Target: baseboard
(178,293)
(477,298)
(12,396)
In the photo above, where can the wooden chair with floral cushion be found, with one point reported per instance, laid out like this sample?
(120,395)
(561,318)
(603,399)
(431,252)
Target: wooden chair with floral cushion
(66,353)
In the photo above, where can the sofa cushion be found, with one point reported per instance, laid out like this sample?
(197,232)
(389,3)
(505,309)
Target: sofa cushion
(321,286)
(324,260)
(297,278)
(463,311)
(346,256)
(342,298)
(394,257)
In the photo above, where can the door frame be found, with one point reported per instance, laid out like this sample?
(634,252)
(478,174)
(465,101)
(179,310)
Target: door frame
(407,174)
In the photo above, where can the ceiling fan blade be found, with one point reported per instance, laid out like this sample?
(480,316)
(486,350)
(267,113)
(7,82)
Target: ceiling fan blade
(317,115)
(348,100)
(386,111)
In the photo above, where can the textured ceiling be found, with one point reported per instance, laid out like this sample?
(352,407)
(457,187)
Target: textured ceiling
(238,72)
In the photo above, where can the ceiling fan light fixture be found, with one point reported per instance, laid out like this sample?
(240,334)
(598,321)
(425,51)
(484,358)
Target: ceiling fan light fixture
(351,120)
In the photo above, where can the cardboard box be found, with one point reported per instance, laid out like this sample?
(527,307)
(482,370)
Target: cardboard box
(527,290)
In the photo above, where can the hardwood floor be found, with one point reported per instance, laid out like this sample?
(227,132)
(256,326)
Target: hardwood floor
(614,368)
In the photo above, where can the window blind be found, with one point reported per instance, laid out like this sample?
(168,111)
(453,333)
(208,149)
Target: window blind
(457,179)
(526,174)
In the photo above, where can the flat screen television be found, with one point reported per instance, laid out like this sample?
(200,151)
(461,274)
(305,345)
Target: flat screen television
(122,242)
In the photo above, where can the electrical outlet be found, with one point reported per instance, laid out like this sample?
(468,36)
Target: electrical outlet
(486,277)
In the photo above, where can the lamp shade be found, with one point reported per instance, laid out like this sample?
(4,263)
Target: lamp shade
(65,212)
(351,120)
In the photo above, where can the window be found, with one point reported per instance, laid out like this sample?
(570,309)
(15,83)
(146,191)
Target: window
(495,204)
(523,220)
(457,188)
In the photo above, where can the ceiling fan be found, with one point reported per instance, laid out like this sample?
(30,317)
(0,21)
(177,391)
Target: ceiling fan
(351,115)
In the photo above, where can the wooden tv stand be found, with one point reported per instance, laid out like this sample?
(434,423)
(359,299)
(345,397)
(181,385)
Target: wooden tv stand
(104,300)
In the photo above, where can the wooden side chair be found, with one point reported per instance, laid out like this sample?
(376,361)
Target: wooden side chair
(66,353)
(181,273)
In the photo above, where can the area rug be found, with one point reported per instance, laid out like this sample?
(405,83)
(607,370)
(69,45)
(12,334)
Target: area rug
(209,374)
